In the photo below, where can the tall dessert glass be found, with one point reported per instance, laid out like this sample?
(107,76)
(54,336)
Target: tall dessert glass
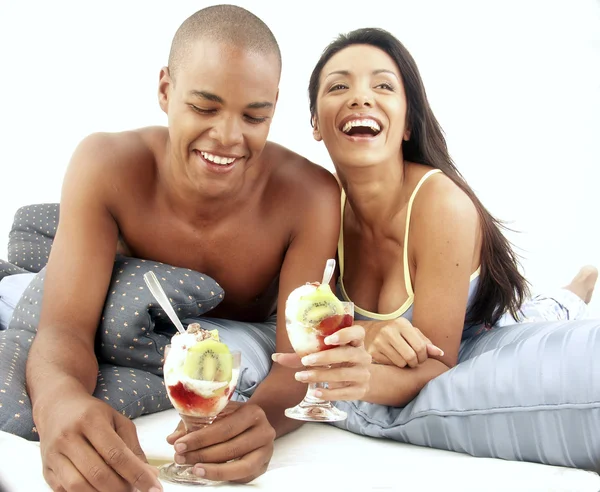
(310,318)
(200,375)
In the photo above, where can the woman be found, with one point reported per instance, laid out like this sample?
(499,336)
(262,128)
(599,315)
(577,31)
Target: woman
(418,246)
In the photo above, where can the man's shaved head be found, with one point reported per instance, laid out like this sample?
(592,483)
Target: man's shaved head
(222,23)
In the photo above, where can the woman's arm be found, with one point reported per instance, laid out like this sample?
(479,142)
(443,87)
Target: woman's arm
(444,244)
(444,250)
(395,387)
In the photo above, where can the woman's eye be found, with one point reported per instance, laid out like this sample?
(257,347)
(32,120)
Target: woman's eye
(337,87)
(386,86)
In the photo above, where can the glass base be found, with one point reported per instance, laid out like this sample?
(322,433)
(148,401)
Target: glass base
(172,472)
(175,473)
(313,409)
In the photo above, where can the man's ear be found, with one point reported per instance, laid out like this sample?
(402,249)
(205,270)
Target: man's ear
(164,88)
(316,132)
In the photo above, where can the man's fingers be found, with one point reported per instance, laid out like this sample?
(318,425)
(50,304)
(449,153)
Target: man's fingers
(52,480)
(220,430)
(177,433)
(93,468)
(127,431)
(235,448)
(346,354)
(68,476)
(123,460)
(287,360)
(242,471)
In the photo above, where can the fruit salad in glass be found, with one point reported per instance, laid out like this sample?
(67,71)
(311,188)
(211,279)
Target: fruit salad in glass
(312,313)
(200,374)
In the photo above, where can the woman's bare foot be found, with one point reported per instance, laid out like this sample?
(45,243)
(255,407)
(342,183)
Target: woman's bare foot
(584,282)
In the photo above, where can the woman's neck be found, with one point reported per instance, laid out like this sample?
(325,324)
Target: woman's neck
(375,194)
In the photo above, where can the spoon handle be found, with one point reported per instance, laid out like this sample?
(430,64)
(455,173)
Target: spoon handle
(159,294)
(328,273)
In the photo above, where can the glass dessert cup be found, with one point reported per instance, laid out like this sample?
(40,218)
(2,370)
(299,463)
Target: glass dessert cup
(308,339)
(196,412)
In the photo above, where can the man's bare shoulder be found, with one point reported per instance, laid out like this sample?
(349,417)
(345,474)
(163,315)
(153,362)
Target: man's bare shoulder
(291,171)
(119,152)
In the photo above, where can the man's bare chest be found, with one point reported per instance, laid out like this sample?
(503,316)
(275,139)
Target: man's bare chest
(244,257)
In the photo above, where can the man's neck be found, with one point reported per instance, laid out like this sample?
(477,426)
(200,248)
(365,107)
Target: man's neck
(202,205)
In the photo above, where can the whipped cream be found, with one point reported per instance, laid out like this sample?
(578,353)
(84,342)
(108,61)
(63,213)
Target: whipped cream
(174,373)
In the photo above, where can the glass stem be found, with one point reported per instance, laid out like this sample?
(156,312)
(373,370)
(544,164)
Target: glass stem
(310,393)
(193,424)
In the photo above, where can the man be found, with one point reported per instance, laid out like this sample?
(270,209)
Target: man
(256,217)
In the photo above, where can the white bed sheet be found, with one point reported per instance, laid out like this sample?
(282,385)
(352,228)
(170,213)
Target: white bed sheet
(321,456)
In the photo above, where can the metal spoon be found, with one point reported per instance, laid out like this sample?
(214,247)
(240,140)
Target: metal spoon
(159,294)
(328,272)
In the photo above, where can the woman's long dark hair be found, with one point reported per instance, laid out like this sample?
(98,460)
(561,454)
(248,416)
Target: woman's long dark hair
(501,287)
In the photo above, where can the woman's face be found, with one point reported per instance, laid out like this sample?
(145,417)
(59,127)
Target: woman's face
(361,107)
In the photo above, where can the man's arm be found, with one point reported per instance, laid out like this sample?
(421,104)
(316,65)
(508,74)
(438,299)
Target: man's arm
(239,446)
(313,243)
(77,277)
(84,442)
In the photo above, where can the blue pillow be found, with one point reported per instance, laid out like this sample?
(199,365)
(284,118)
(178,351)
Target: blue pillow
(11,290)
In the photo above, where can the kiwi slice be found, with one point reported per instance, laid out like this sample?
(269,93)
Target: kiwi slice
(319,304)
(209,360)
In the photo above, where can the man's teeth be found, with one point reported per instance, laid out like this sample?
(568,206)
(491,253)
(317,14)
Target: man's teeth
(217,159)
(367,123)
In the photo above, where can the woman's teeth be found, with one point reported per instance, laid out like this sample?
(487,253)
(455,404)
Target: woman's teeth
(365,123)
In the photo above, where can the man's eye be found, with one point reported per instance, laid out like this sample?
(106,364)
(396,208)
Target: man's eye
(254,120)
(202,110)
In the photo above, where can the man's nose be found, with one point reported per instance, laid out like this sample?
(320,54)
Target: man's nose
(227,131)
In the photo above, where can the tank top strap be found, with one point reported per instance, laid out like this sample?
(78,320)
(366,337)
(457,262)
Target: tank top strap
(407,282)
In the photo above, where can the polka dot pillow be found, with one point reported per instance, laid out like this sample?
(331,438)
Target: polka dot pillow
(31,236)
(134,329)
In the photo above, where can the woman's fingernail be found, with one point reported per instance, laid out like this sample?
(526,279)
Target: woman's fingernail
(301,376)
(437,349)
(332,340)
(309,360)
(179,459)
(180,447)
(199,472)
(274,357)
(318,393)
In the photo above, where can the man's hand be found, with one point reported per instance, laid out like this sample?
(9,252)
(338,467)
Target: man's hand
(345,368)
(397,342)
(88,446)
(236,447)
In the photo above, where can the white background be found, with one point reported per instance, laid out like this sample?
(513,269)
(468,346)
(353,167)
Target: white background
(515,85)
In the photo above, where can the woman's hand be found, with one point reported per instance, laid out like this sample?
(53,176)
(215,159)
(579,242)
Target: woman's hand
(345,367)
(397,342)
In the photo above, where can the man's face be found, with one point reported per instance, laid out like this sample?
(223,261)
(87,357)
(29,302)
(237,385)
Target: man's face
(220,104)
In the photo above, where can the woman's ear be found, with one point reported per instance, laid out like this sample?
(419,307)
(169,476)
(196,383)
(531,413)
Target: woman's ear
(316,132)
(406,135)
